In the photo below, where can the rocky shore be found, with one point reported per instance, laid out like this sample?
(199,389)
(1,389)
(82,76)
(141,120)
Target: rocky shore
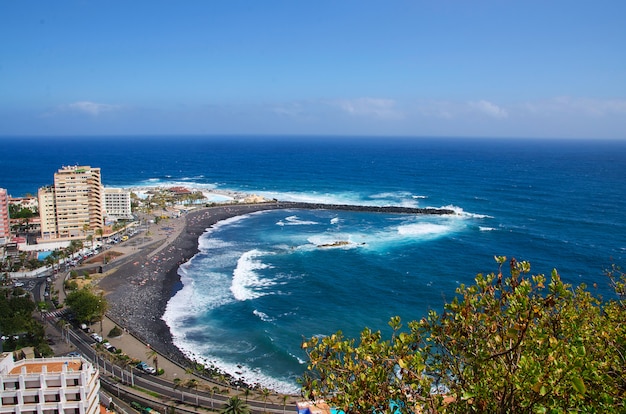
(143,282)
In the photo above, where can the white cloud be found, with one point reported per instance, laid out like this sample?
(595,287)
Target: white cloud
(489,109)
(578,106)
(91,108)
(376,107)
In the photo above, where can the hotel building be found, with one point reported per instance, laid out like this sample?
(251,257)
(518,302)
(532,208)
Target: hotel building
(48,386)
(72,204)
(5,229)
(117,204)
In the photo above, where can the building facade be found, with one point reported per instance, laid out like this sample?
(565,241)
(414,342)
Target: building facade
(117,204)
(48,386)
(73,205)
(5,229)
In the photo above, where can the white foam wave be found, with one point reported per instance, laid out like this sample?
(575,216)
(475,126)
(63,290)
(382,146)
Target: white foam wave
(460,212)
(316,198)
(262,316)
(400,198)
(334,240)
(483,228)
(193,300)
(167,182)
(300,360)
(390,195)
(335,220)
(424,229)
(243,372)
(246,283)
(208,243)
(295,221)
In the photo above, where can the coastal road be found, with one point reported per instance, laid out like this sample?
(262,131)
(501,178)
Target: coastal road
(126,377)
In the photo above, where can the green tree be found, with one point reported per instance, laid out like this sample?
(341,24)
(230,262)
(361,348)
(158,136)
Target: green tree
(266,393)
(16,211)
(177,383)
(17,322)
(235,406)
(503,345)
(86,306)
(154,356)
(285,398)
(193,383)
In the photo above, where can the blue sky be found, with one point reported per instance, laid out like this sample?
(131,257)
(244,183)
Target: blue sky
(342,67)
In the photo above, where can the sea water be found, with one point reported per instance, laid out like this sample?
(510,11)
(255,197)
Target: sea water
(264,281)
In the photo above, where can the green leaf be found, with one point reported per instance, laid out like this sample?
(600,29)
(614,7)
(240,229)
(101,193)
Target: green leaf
(579,384)
(467,395)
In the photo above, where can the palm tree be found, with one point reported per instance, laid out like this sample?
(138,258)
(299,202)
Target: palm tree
(152,354)
(235,406)
(128,363)
(214,389)
(102,308)
(285,397)
(193,383)
(266,394)
(177,383)
(247,393)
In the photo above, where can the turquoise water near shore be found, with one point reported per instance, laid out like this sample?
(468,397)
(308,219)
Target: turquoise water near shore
(260,282)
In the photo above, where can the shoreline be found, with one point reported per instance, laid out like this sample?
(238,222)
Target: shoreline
(139,289)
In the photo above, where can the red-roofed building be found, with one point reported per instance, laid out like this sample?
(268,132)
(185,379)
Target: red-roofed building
(48,385)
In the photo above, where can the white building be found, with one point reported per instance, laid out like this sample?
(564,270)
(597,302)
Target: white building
(117,204)
(48,386)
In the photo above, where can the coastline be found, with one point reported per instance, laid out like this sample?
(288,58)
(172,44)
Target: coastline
(140,287)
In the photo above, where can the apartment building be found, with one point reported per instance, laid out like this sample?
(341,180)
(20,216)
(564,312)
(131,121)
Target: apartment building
(5,228)
(73,204)
(48,386)
(117,204)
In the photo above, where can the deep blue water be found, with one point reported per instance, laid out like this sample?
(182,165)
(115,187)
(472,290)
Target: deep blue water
(261,282)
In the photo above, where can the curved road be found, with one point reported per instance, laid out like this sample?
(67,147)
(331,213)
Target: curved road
(124,378)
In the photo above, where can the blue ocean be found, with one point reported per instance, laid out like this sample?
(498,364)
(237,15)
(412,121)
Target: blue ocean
(263,281)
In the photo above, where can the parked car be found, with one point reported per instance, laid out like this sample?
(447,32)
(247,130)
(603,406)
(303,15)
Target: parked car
(109,347)
(146,368)
(96,337)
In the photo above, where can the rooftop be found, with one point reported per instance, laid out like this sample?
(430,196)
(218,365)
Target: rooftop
(35,367)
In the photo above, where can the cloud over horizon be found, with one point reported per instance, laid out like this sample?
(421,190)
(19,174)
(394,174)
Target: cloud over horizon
(377,107)
(489,109)
(90,108)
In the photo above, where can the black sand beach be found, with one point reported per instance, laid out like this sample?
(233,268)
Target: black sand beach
(139,289)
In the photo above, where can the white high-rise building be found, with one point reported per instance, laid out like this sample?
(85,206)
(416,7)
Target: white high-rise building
(48,386)
(117,204)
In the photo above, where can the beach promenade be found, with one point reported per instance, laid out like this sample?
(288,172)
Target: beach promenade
(138,280)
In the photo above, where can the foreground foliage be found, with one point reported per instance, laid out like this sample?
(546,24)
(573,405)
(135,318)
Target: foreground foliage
(510,344)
